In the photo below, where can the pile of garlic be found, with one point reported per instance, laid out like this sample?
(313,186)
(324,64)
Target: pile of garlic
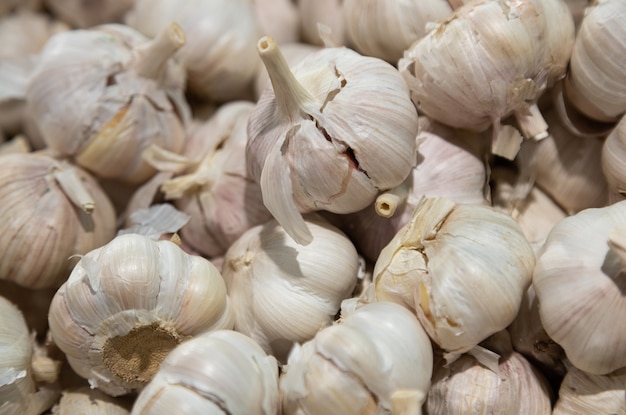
(313,207)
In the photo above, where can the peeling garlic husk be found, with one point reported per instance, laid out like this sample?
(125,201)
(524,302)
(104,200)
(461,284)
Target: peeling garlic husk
(360,364)
(207,375)
(328,13)
(82,14)
(467,387)
(452,70)
(51,211)
(126,95)
(614,161)
(582,272)
(386,28)
(279,19)
(446,261)
(321,142)
(596,81)
(283,292)
(220,56)
(129,303)
(84,400)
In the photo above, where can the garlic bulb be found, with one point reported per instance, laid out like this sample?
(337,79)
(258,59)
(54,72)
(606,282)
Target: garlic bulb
(128,303)
(325,12)
(614,160)
(219,56)
(446,261)
(278,19)
(216,191)
(53,210)
(596,81)
(318,141)
(579,281)
(357,365)
(447,166)
(19,394)
(125,95)
(283,292)
(386,28)
(490,59)
(222,372)
(467,387)
(84,400)
(85,14)
(582,393)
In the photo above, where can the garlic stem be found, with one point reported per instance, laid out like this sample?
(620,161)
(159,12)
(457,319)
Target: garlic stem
(531,122)
(152,56)
(387,202)
(407,402)
(73,188)
(290,94)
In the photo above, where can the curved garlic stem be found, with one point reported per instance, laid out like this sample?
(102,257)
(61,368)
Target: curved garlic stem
(407,402)
(290,94)
(207,172)
(387,202)
(73,188)
(151,58)
(531,122)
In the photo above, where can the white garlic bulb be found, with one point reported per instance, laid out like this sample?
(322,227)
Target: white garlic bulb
(579,280)
(82,14)
(221,372)
(283,292)
(446,261)
(614,160)
(278,19)
(219,56)
(126,94)
(128,303)
(357,365)
(386,28)
(328,13)
(491,59)
(318,140)
(51,210)
(596,81)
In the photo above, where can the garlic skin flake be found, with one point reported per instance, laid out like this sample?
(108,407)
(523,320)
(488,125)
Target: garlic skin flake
(360,364)
(318,140)
(221,372)
(128,303)
(447,261)
(579,280)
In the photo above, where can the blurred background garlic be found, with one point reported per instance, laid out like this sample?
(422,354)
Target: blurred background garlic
(222,372)
(317,140)
(579,281)
(283,292)
(386,28)
(103,95)
(10,6)
(129,303)
(596,81)
(278,19)
(87,401)
(357,365)
(452,70)
(220,56)
(446,261)
(19,392)
(85,14)
(448,165)
(51,211)
(614,161)
(467,387)
(325,12)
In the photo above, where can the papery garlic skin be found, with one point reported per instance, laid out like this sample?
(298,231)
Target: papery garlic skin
(579,280)
(278,19)
(326,12)
(125,95)
(220,56)
(213,373)
(84,400)
(446,261)
(357,365)
(283,292)
(614,160)
(128,303)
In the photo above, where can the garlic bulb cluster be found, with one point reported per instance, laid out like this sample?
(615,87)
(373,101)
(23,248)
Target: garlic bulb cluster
(82,14)
(283,292)
(328,13)
(360,365)
(207,375)
(596,81)
(490,59)
(386,28)
(219,56)
(125,95)
(51,210)
(446,261)
(216,192)
(579,280)
(318,140)
(84,400)
(129,303)
(614,161)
